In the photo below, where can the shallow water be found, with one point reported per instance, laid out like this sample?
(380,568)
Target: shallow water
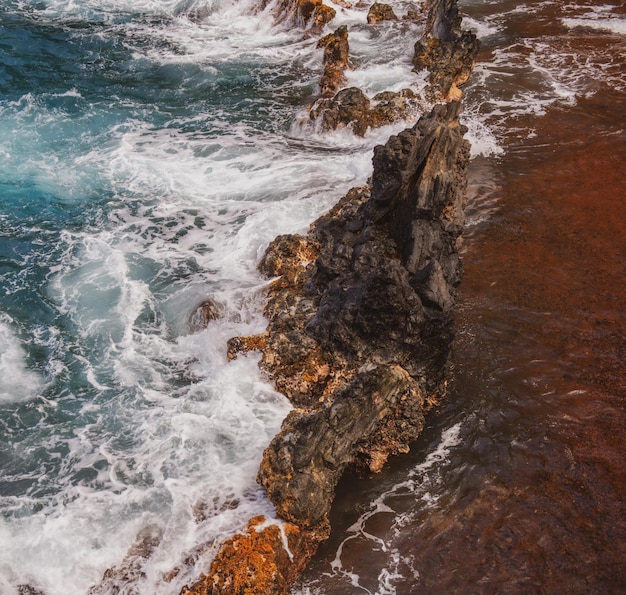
(527,496)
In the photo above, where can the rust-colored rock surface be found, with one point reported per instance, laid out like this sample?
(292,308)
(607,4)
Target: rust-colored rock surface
(313,15)
(336,50)
(379,12)
(264,560)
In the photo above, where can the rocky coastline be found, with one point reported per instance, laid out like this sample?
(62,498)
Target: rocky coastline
(360,309)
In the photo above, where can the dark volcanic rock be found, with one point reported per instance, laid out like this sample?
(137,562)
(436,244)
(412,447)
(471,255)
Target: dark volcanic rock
(120,578)
(359,339)
(305,461)
(348,106)
(447,51)
(379,12)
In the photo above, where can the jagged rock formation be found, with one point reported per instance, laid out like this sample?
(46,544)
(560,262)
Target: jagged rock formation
(358,338)
(339,108)
(446,50)
(359,319)
(336,51)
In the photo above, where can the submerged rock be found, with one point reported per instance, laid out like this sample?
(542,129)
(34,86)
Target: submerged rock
(119,578)
(204,313)
(351,107)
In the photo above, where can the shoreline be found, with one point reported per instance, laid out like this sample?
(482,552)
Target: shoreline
(360,313)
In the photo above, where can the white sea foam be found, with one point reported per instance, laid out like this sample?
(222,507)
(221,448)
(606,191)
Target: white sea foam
(482,29)
(17,381)
(601,18)
(613,25)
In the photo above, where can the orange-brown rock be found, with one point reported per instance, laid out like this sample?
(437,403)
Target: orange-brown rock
(336,50)
(379,12)
(237,345)
(257,562)
(311,14)
(412,15)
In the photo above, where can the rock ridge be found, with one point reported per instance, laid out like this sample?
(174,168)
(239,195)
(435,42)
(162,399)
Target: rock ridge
(359,330)
(360,319)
